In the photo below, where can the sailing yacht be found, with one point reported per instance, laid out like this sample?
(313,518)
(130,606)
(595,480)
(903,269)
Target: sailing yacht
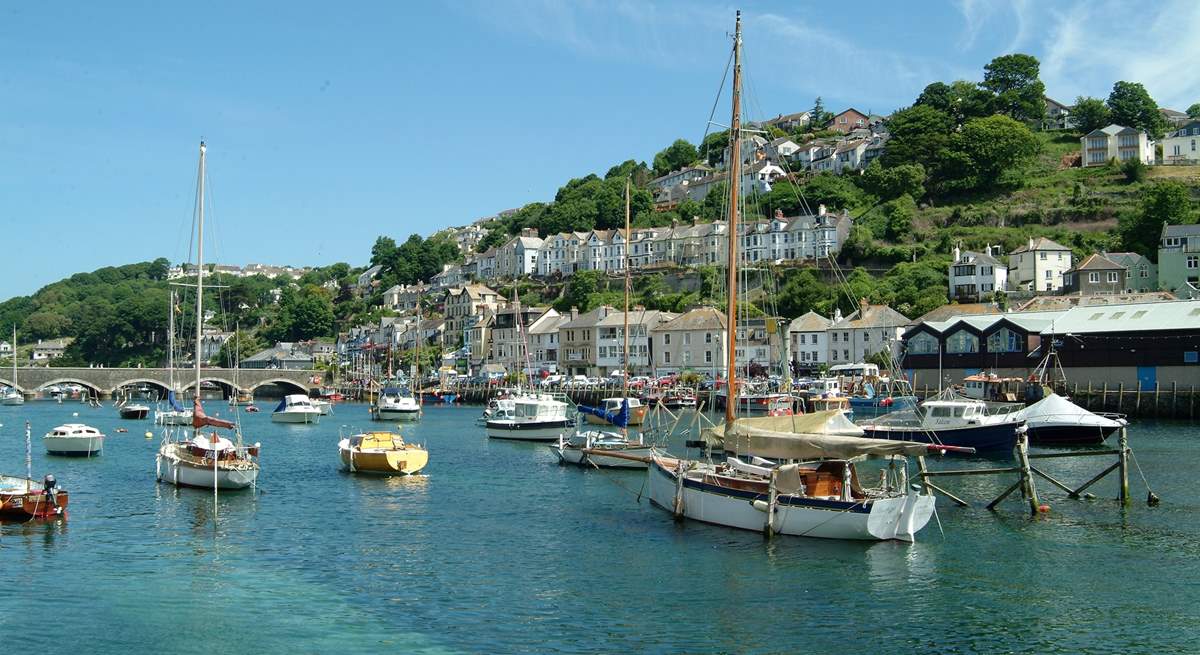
(12,396)
(790,474)
(400,403)
(593,447)
(208,460)
(174,414)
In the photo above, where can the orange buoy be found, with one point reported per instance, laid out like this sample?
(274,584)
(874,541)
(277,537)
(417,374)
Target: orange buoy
(1043,508)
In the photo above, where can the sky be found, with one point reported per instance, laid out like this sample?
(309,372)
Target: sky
(329,124)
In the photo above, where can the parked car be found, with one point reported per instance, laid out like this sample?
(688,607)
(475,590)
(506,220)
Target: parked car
(579,382)
(552,380)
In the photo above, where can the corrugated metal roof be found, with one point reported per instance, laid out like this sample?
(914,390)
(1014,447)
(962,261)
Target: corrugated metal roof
(1137,317)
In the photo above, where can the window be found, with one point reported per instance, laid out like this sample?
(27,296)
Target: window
(708,337)
(1112,277)
(962,342)
(1042,256)
(1004,340)
(814,355)
(802,338)
(1143,272)
(1048,275)
(846,337)
(1093,277)
(667,339)
(835,337)
(964,271)
(846,355)
(707,356)
(923,344)
(834,353)
(687,338)
(866,337)
(1193,261)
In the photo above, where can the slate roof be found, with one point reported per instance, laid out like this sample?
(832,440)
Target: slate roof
(1096,262)
(810,322)
(700,318)
(1040,243)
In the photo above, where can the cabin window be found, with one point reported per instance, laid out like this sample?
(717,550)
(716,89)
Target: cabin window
(1004,340)
(962,342)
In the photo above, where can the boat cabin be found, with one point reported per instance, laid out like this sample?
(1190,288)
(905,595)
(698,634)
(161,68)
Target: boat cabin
(74,430)
(991,387)
(952,413)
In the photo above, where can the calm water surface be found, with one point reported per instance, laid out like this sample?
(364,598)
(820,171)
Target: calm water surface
(499,549)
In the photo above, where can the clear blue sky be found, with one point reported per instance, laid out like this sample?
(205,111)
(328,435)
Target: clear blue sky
(331,123)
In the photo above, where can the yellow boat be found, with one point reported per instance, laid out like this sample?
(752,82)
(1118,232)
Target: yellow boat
(383,453)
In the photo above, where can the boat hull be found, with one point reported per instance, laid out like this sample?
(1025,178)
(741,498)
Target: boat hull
(72,446)
(637,416)
(1069,434)
(880,519)
(12,401)
(181,472)
(397,414)
(568,454)
(134,414)
(394,462)
(999,438)
(296,417)
(19,504)
(528,431)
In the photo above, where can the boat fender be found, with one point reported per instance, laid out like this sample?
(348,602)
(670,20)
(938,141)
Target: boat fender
(1043,509)
(1152,499)
(760,505)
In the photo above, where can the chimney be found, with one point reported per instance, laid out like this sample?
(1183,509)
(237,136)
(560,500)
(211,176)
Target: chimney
(957,254)
(574,312)
(820,210)
(987,250)
(837,315)
(1031,243)
(779,214)
(862,307)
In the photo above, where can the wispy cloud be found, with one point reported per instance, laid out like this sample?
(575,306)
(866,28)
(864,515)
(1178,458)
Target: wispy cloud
(1091,45)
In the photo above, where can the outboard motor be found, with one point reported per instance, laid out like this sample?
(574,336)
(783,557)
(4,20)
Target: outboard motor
(49,484)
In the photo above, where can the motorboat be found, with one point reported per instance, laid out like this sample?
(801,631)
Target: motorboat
(992,387)
(882,396)
(637,411)
(295,408)
(25,499)
(951,421)
(133,411)
(679,398)
(498,407)
(534,417)
(1055,420)
(323,406)
(596,447)
(74,440)
(396,404)
(381,453)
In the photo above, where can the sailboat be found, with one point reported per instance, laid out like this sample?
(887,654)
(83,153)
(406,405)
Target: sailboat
(24,499)
(205,460)
(12,396)
(593,447)
(174,414)
(799,476)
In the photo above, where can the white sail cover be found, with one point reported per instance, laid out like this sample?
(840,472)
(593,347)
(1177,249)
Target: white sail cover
(819,435)
(1054,410)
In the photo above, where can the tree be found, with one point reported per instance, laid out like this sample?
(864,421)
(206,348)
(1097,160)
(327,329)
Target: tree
(675,156)
(712,148)
(900,214)
(920,135)
(1134,170)
(1019,92)
(960,100)
(818,116)
(889,183)
(1132,106)
(1167,202)
(994,146)
(1090,114)
(580,291)
(1194,110)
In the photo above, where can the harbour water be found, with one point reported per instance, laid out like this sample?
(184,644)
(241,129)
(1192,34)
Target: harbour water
(501,550)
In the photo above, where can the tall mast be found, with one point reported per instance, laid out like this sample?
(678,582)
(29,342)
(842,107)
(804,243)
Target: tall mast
(14,357)
(735,165)
(625,378)
(417,355)
(171,341)
(199,267)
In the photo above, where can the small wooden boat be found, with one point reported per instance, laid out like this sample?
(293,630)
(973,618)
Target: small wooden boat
(381,453)
(25,499)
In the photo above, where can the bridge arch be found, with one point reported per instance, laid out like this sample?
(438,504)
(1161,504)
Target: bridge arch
(281,382)
(92,388)
(159,384)
(8,383)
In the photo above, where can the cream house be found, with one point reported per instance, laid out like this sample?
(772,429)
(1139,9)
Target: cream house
(694,340)
(1038,266)
(1116,142)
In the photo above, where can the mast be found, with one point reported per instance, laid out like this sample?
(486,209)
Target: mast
(417,356)
(14,358)
(625,361)
(735,165)
(199,268)
(171,341)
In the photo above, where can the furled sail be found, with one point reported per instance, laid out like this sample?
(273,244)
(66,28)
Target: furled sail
(199,419)
(173,402)
(619,419)
(819,435)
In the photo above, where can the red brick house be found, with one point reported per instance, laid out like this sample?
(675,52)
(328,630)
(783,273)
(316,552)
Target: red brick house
(849,119)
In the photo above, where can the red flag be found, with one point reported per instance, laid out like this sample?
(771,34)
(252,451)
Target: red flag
(199,419)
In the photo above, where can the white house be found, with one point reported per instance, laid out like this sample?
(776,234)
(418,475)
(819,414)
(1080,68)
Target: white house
(1116,142)
(807,342)
(519,256)
(1179,146)
(1038,266)
(610,340)
(974,276)
(694,340)
(543,340)
(6,349)
(871,329)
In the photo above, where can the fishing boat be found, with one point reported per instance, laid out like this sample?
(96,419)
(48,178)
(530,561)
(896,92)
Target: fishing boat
(992,387)
(882,396)
(74,440)
(951,421)
(679,398)
(12,396)
(1055,420)
(796,483)
(296,408)
(210,460)
(396,404)
(381,453)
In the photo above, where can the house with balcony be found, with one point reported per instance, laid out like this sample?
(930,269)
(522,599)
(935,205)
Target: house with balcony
(518,257)
(509,336)
(1179,146)
(975,276)
(543,341)
(1179,260)
(1116,142)
(1058,115)
(1038,266)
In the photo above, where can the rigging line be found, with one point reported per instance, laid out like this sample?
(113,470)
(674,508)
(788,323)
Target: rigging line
(713,112)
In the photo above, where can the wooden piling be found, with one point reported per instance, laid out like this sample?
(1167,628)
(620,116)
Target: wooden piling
(1027,487)
(1123,444)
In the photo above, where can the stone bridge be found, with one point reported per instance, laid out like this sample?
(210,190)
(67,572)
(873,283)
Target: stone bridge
(105,381)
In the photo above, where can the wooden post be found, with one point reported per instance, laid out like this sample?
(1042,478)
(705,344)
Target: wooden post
(1192,401)
(1123,493)
(1156,406)
(1104,397)
(772,496)
(921,470)
(1137,399)
(1174,399)
(1027,488)
(1090,399)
